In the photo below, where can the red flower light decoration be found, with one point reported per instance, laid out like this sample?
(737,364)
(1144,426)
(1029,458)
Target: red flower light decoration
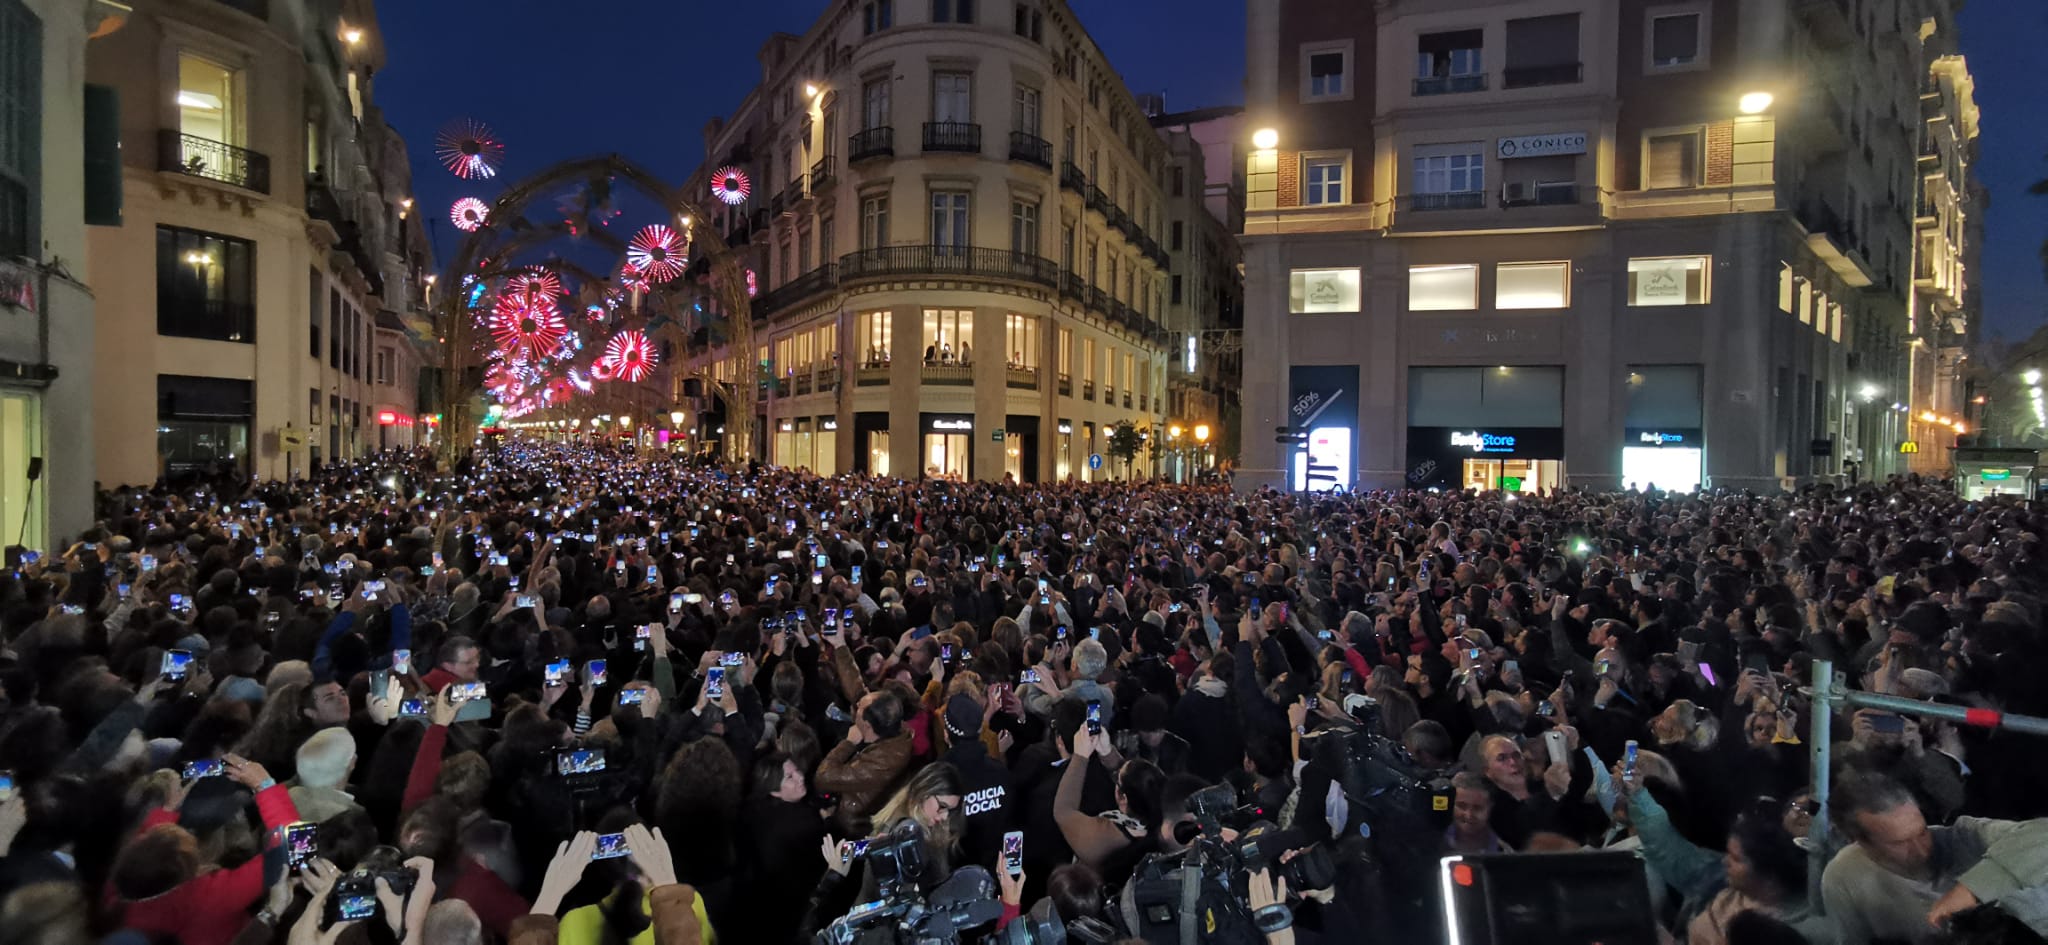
(657,251)
(536,280)
(470,214)
(633,278)
(469,149)
(730,184)
(629,356)
(753,284)
(527,322)
(600,370)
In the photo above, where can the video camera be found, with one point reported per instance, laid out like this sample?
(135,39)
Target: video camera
(355,894)
(899,916)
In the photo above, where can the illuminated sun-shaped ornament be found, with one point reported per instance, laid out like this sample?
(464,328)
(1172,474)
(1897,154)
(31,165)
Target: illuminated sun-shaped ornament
(469,214)
(527,322)
(469,149)
(536,280)
(730,184)
(630,356)
(657,251)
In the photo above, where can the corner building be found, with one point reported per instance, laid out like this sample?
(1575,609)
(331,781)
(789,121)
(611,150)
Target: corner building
(1582,242)
(952,223)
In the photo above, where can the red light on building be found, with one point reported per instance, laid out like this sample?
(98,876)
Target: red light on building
(386,418)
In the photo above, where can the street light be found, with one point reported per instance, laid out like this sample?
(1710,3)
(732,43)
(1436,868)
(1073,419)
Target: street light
(1266,139)
(1201,433)
(2031,377)
(675,419)
(1755,103)
(1869,392)
(1173,431)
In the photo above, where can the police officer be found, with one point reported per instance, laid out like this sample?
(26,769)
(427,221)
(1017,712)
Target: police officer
(985,805)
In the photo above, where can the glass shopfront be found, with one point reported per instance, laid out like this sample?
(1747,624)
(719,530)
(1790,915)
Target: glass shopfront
(948,446)
(1663,445)
(1498,428)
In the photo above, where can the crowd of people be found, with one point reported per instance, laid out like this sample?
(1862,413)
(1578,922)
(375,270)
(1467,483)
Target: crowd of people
(567,693)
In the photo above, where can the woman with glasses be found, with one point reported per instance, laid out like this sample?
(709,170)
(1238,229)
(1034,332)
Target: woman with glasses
(932,798)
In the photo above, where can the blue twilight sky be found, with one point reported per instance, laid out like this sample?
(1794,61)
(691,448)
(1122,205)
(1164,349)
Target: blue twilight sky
(560,79)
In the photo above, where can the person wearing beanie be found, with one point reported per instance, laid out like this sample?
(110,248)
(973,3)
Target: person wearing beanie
(984,782)
(1148,738)
(324,764)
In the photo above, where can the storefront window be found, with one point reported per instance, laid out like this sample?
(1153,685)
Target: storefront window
(1323,290)
(1063,456)
(948,335)
(946,451)
(200,445)
(1443,288)
(1533,285)
(21,436)
(878,453)
(1668,280)
(785,444)
(825,448)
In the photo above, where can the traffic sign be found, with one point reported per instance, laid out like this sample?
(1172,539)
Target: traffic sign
(1094,460)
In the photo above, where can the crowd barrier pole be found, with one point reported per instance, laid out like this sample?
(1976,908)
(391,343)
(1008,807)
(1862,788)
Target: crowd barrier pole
(1829,692)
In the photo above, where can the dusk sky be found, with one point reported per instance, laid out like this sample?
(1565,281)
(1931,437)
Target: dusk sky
(641,77)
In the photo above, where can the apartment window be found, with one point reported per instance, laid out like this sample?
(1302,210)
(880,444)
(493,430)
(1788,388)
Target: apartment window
(1542,50)
(878,15)
(1067,247)
(1176,290)
(874,221)
(948,336)
(1668,280)
(1030,23)
(207,105)
(1312,291)
(1087,361)
(873,338)
(952,11)
(952,97)
(1785,287)
(1532,285)
(874,104)
(384,365)
(1113,275)
(1450,62)
(21,123)
(205,286)
(1326,71)
(335,327)
(1322,180)
(783,258)
(316,148)
(1025,108)
(1677,40)
(804,261)
(949,221)
(1065,353)
(1180,180)
(1443,288)
(1023,228)
(1449,176)
(1176,236)
(1671,160)
(313,309)
(1020,337)
(825,246)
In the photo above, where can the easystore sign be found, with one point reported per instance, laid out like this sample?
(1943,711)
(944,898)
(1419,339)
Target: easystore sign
(1479,442)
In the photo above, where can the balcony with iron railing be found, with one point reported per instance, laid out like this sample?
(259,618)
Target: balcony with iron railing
(1450,84)
(947,373)
(871,143)
(1557,73)
(872,374)
(888,261)
(206,158)
(1072,179)
(811,283)
(1088,389)
(1097,200)
(821,174)
(1463,200)
(1018,377)
(1073,286)
(1066,382)
(828,378)
(1030,148)
(957,136)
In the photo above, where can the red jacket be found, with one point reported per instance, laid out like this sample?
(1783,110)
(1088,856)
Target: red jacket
(496,905)
(426,769)
(211,908)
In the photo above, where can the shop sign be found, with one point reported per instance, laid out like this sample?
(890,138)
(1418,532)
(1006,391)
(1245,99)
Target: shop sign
(952,424)
(829,425)
(996,434)
(1479,442)
(1066,427)
(1528,146)
(1995,475)
(1662,437)
(1909,446)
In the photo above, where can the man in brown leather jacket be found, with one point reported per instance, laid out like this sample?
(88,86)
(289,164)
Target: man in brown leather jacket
(862,770)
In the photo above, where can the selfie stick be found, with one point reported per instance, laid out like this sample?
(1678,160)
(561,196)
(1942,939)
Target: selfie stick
(1830,691)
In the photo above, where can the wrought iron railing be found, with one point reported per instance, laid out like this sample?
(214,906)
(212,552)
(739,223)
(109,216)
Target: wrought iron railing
(1030,148)
(1450,84)
(1465,200)
(213,160)
(871,143)
(962,136)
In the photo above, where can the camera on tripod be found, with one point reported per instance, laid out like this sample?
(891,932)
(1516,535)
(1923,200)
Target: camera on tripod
(902,914)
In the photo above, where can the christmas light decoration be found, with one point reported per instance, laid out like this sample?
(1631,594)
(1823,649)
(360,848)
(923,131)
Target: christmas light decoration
(633,278)
(730,184)
(469,149)
(469,214)
(657,251)
(527,322)
(753,284)
(630,356)
(537,280)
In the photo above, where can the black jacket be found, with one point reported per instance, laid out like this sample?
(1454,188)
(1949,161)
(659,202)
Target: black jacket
(985,803)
